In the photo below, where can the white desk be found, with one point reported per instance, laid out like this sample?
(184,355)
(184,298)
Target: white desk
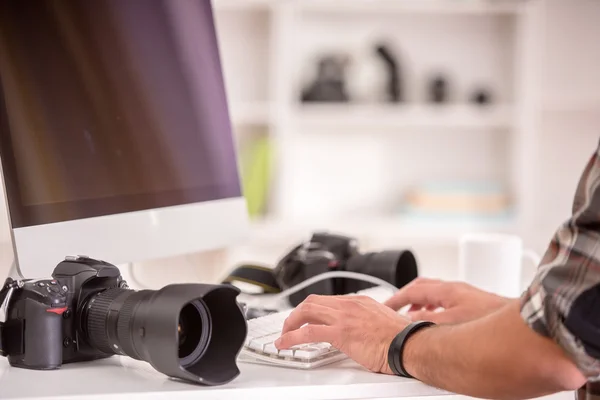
(121,378)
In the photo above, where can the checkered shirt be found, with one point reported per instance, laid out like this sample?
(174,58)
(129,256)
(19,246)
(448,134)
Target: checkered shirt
(563,301)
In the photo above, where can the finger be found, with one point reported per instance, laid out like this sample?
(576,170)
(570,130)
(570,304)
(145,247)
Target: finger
(433,294)
(419,307)
(421,280)
(309,313)
(415,307)
(418,281)
(306,334)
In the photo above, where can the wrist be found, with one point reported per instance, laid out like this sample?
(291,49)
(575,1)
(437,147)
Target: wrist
(397,347)
(414,351)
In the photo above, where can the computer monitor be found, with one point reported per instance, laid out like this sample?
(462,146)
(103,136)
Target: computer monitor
(115,137)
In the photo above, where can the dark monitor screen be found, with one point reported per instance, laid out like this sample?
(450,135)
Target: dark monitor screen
(111,106)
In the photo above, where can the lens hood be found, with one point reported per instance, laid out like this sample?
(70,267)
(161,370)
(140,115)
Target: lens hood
(193,332)
(396,267)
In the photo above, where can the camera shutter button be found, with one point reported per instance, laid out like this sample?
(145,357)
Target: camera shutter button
(57,301)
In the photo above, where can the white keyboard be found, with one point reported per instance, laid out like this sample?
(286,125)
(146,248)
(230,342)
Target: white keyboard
(263,331)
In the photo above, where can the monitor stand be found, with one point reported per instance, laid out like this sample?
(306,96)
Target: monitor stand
(14,272)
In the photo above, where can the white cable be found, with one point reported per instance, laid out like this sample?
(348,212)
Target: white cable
(329,275)
(132,278)
(14,271)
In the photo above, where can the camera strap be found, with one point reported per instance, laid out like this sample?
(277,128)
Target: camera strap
(5,295)
(288,268)
(260,276)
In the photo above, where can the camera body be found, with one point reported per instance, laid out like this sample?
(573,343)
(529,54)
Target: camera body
(326,252)
(189,331)
(43,317)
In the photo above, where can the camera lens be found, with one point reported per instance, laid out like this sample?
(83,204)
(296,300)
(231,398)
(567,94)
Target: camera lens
(171,328)
(105,318)
(194,331)
(109,318)
(396,267)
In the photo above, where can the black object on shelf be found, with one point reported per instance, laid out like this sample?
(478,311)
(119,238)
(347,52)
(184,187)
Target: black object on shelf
(481,97)
(330,83)
(394,84)
(438,90)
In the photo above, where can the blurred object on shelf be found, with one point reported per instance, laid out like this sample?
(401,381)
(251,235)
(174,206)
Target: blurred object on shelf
(457,200)
(329,84)
(373,76)
(256,174)
(438,90)
(367,76)
(482,97)
(394,84)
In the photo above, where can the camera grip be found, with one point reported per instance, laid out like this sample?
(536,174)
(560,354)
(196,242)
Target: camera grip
(43,337)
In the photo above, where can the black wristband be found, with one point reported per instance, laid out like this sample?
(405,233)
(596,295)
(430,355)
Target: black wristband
(397,347)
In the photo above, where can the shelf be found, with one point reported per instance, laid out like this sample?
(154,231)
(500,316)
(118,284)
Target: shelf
(421,6)
(234,5)
(412,116)
(486,7)
(391,228)
(244,114)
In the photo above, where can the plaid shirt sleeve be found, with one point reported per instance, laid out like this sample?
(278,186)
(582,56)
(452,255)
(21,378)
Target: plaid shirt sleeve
(563,301)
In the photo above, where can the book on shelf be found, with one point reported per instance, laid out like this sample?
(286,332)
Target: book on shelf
(457,202)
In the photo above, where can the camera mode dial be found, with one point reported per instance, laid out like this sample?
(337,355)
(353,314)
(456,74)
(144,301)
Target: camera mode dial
(47,291)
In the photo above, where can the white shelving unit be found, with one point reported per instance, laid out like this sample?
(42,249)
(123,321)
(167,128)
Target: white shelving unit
(251,114)
(379,6)
(375,117)
(344,167)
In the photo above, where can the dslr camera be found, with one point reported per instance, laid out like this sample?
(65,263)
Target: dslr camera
(192,332)
(326,252)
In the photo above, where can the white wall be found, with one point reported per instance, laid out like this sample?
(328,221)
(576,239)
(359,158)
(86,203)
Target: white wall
(569,130)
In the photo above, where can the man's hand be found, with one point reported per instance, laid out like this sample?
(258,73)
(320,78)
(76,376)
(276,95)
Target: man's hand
(459,302)
(358,326)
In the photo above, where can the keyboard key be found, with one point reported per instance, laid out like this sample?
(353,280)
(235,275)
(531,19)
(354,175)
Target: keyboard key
(259,343)
(286,353)
(271,349)
(309,352)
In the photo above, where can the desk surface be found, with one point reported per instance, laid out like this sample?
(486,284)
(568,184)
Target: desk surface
(123,378)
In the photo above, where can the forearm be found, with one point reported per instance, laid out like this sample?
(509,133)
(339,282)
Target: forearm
(495,357)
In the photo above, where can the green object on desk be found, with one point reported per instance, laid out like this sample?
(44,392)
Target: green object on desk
(256,174)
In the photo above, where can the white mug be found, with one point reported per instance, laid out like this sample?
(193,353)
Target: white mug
(493,262)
